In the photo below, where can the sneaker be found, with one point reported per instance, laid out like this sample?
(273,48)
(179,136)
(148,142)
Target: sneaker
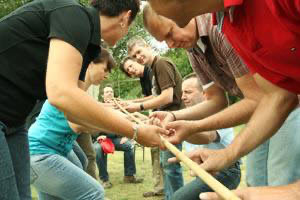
(152,194)
(107,184)
(132,179)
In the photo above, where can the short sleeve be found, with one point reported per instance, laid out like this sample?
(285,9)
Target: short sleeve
(165,74)
(203,78)
(233,60)
(72,25)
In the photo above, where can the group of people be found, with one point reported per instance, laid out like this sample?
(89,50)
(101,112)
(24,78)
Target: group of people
(247,48)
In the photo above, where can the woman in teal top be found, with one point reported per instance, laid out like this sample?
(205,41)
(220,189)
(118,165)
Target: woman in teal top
(54,171)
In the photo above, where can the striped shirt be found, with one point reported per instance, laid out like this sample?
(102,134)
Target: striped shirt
(214,60)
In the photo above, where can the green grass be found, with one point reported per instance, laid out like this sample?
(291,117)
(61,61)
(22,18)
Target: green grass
(121,191)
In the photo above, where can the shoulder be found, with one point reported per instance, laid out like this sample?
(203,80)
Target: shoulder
(164,62)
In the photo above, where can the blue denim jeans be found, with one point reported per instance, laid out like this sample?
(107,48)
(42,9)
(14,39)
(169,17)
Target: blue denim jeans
(14,164)
(284,152)
(276,162)
(129,158)
(230,178)
(257,166)
(56,177)
(173,179)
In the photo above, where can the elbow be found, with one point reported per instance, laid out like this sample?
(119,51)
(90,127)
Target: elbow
(168,99)
(291,100)
(57,95)
(284,101)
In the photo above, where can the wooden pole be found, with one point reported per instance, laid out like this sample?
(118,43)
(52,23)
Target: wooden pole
(213,183)
(127,113)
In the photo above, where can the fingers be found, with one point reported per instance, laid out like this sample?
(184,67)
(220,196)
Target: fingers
(173,160)
(171,125)
(214,196)
(209,196)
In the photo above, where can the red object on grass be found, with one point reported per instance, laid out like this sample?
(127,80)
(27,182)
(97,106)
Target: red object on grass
(107,145)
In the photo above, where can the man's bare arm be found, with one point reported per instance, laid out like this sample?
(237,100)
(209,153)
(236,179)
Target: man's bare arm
(238,113)
(143,99)
(215,101)
(272,111)
(203,137)
(287,192)
(164,98)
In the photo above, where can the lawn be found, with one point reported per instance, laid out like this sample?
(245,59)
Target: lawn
(121,191)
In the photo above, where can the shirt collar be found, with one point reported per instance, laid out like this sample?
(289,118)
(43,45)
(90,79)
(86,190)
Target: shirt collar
(94,14)
(154,61)
(204,24)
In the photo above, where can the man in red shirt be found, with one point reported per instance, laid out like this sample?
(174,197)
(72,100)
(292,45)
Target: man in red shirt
(266,34)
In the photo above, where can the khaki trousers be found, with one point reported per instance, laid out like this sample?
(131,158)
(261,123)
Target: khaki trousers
(157,171)
(85,142)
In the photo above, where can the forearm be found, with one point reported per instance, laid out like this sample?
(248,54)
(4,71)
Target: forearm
(156,102)
(270,114)
(202,138)
(287,192)
(234,115)
(143,99)
(83,109)
(201,110)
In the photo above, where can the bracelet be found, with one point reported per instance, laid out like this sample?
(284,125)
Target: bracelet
(142,107)
(135,131)
(175,119)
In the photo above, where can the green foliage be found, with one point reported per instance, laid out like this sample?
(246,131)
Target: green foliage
(7,6)
(179,57)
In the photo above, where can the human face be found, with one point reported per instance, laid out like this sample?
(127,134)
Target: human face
(134,69)
(142,54)
(108,94)
(114,29)
(98,72)
(172,34)
(191,93)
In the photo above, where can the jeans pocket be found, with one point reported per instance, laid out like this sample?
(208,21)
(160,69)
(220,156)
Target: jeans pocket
(33,175)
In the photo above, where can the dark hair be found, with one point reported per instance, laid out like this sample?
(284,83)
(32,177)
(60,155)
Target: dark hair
(105,56)
(122,65)
(113,8)
(108,85)
(189,76)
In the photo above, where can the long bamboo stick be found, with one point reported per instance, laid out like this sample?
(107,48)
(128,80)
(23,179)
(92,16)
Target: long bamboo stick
(215,185)
(127,113)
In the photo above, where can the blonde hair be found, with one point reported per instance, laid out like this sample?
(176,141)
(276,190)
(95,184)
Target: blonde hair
(137,40)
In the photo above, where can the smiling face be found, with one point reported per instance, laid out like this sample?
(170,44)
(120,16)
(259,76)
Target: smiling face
(172,34)
(141,53)
(134,69)
(98,72)
(192,93)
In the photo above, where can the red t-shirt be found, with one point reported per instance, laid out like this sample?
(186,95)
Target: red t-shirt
(266,34)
